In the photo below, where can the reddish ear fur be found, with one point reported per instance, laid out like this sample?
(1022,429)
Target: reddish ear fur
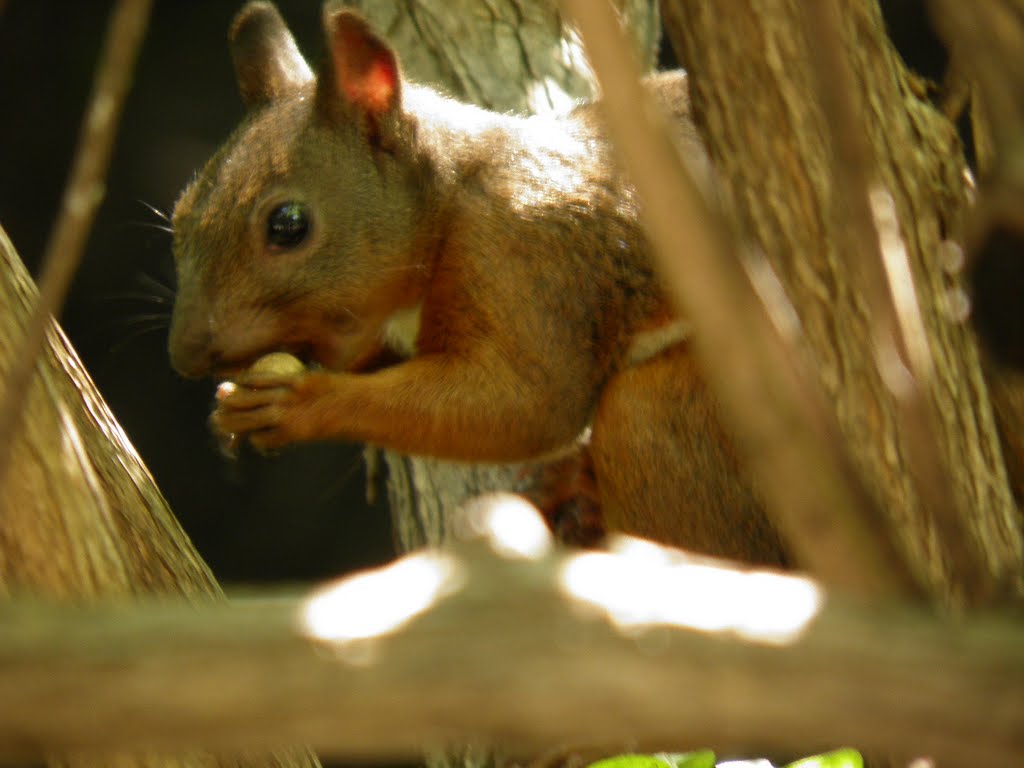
(267,62)
(364,68)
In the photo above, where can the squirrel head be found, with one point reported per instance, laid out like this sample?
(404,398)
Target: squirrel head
(303,232)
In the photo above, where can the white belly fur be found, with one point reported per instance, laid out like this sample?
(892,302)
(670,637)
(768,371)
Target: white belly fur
(401,330)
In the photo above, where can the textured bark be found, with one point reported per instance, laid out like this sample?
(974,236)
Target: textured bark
(505,55)
(752,83)
(423,493)
(80,516)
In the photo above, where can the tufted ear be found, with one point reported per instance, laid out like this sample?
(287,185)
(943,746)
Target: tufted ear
(361,77)
(268,64)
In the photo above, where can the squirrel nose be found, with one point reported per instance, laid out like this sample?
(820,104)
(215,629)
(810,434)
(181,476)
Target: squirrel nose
(191,351)
(191,365)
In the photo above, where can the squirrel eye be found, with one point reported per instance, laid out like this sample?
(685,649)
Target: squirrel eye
(288,225)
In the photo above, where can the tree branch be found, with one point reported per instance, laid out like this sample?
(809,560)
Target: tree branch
(460,646)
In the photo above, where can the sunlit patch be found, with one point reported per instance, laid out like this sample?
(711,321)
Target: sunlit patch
(901,287)
(513,528)
(641,585)
(952,258)
(897,377)
(436,110)
(956,305)
(71,443)
(553,169)
(373,604)
(772,294)
(574,55)
(546,96)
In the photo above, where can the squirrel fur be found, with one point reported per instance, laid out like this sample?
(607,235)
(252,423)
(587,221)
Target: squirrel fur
(470,285)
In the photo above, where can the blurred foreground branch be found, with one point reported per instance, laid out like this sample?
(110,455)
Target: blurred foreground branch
(461,646)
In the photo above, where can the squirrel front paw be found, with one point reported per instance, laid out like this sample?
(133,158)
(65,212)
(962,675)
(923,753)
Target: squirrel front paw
(270,408)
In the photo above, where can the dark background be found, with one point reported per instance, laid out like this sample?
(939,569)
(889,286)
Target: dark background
(296,517)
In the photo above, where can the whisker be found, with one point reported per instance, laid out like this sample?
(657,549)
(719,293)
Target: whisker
(162,318)
(150,290)
(156,212)
(147,298)
(158,288)
(337,484)
(136,334)
(152,225)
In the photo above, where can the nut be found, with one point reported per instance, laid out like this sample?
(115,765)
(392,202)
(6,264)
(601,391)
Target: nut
(277,364)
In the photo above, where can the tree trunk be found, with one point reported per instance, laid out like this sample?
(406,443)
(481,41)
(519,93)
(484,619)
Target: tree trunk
(80,516)
(753,82)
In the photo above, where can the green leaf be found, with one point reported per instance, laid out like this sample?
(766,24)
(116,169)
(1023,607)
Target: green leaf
(702,759)
(840,758)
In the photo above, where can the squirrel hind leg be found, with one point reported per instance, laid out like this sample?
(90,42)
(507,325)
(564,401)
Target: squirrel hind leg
(665,469)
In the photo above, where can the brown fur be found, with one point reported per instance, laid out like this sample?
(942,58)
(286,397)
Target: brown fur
(518,240)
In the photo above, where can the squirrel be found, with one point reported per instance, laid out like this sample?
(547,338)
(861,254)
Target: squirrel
(465,284)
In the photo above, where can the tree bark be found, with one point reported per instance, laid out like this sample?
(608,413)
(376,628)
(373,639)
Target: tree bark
(517,55)
(81,516)
(752,81)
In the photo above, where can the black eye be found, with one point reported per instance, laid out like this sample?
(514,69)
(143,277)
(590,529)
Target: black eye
(288,225)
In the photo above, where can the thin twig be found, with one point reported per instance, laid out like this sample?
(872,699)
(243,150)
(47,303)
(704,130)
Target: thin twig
(790,439)
(956,87)
(82,197)
(988,37)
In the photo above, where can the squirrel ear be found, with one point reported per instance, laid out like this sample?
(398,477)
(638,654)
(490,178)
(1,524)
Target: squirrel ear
(363,71)
(267,62)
